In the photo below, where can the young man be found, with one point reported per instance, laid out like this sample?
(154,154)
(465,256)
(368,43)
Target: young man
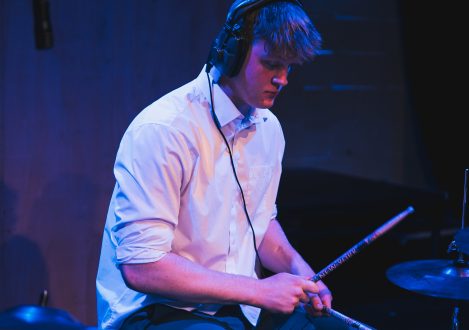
(192,219)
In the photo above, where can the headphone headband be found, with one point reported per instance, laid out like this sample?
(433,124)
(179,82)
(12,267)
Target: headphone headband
(249,5)
(229,48)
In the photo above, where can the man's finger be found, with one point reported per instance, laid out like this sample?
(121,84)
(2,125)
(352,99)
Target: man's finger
(316,302)
(310,286)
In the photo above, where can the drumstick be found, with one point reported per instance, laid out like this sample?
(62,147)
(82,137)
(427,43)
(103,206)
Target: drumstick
(362,244)
(347,320)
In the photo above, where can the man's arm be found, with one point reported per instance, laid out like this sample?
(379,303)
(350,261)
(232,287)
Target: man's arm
(278,255)
(179,278)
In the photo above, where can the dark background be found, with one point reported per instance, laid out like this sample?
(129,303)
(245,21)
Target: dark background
(375,124)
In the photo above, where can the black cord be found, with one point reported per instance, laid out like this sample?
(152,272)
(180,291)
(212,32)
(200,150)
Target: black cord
(217,124)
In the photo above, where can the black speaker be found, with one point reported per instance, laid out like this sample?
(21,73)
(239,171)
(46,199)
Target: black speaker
(230,47)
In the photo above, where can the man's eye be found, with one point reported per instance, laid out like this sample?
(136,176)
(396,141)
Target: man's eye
(277,66)
(270,65)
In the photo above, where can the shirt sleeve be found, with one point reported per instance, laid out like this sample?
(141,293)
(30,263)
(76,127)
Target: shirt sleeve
(280,149)
(152,165)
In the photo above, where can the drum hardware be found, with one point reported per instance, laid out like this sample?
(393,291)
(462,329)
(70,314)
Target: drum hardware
(440,278)
(461,241)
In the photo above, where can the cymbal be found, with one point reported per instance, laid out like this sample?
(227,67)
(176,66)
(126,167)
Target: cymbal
(29,317)
(438,278)
(462,240)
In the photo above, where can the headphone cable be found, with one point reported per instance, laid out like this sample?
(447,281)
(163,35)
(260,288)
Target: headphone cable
(217,124)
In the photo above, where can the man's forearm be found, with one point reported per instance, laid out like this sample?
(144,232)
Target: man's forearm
(278,255)
(178,278)
(181,279)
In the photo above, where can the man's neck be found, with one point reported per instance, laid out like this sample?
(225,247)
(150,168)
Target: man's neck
(230,91)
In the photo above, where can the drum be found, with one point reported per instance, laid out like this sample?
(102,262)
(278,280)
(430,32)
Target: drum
(34,317)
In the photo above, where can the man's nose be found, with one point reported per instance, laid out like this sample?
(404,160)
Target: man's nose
(281,79)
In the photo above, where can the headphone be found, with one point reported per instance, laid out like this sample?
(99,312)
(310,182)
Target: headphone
(230,47)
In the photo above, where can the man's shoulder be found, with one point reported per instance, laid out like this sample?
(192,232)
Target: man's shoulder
(169,110)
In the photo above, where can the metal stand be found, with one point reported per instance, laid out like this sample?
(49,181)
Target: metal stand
(460,261)
(455,321)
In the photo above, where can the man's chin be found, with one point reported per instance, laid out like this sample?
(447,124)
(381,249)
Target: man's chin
(267,103)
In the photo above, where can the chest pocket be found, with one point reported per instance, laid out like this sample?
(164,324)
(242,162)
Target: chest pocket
(258,184)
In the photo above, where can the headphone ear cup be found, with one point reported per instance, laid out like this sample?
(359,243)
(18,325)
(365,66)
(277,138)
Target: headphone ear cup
(216,54)
(234,55)
(227,53)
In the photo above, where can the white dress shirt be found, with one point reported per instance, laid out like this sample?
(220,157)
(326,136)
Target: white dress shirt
(176,192)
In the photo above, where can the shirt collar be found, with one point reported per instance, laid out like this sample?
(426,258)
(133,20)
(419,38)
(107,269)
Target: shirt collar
(225,110)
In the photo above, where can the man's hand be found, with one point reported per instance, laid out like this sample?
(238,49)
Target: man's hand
(282,293)
(319,300)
